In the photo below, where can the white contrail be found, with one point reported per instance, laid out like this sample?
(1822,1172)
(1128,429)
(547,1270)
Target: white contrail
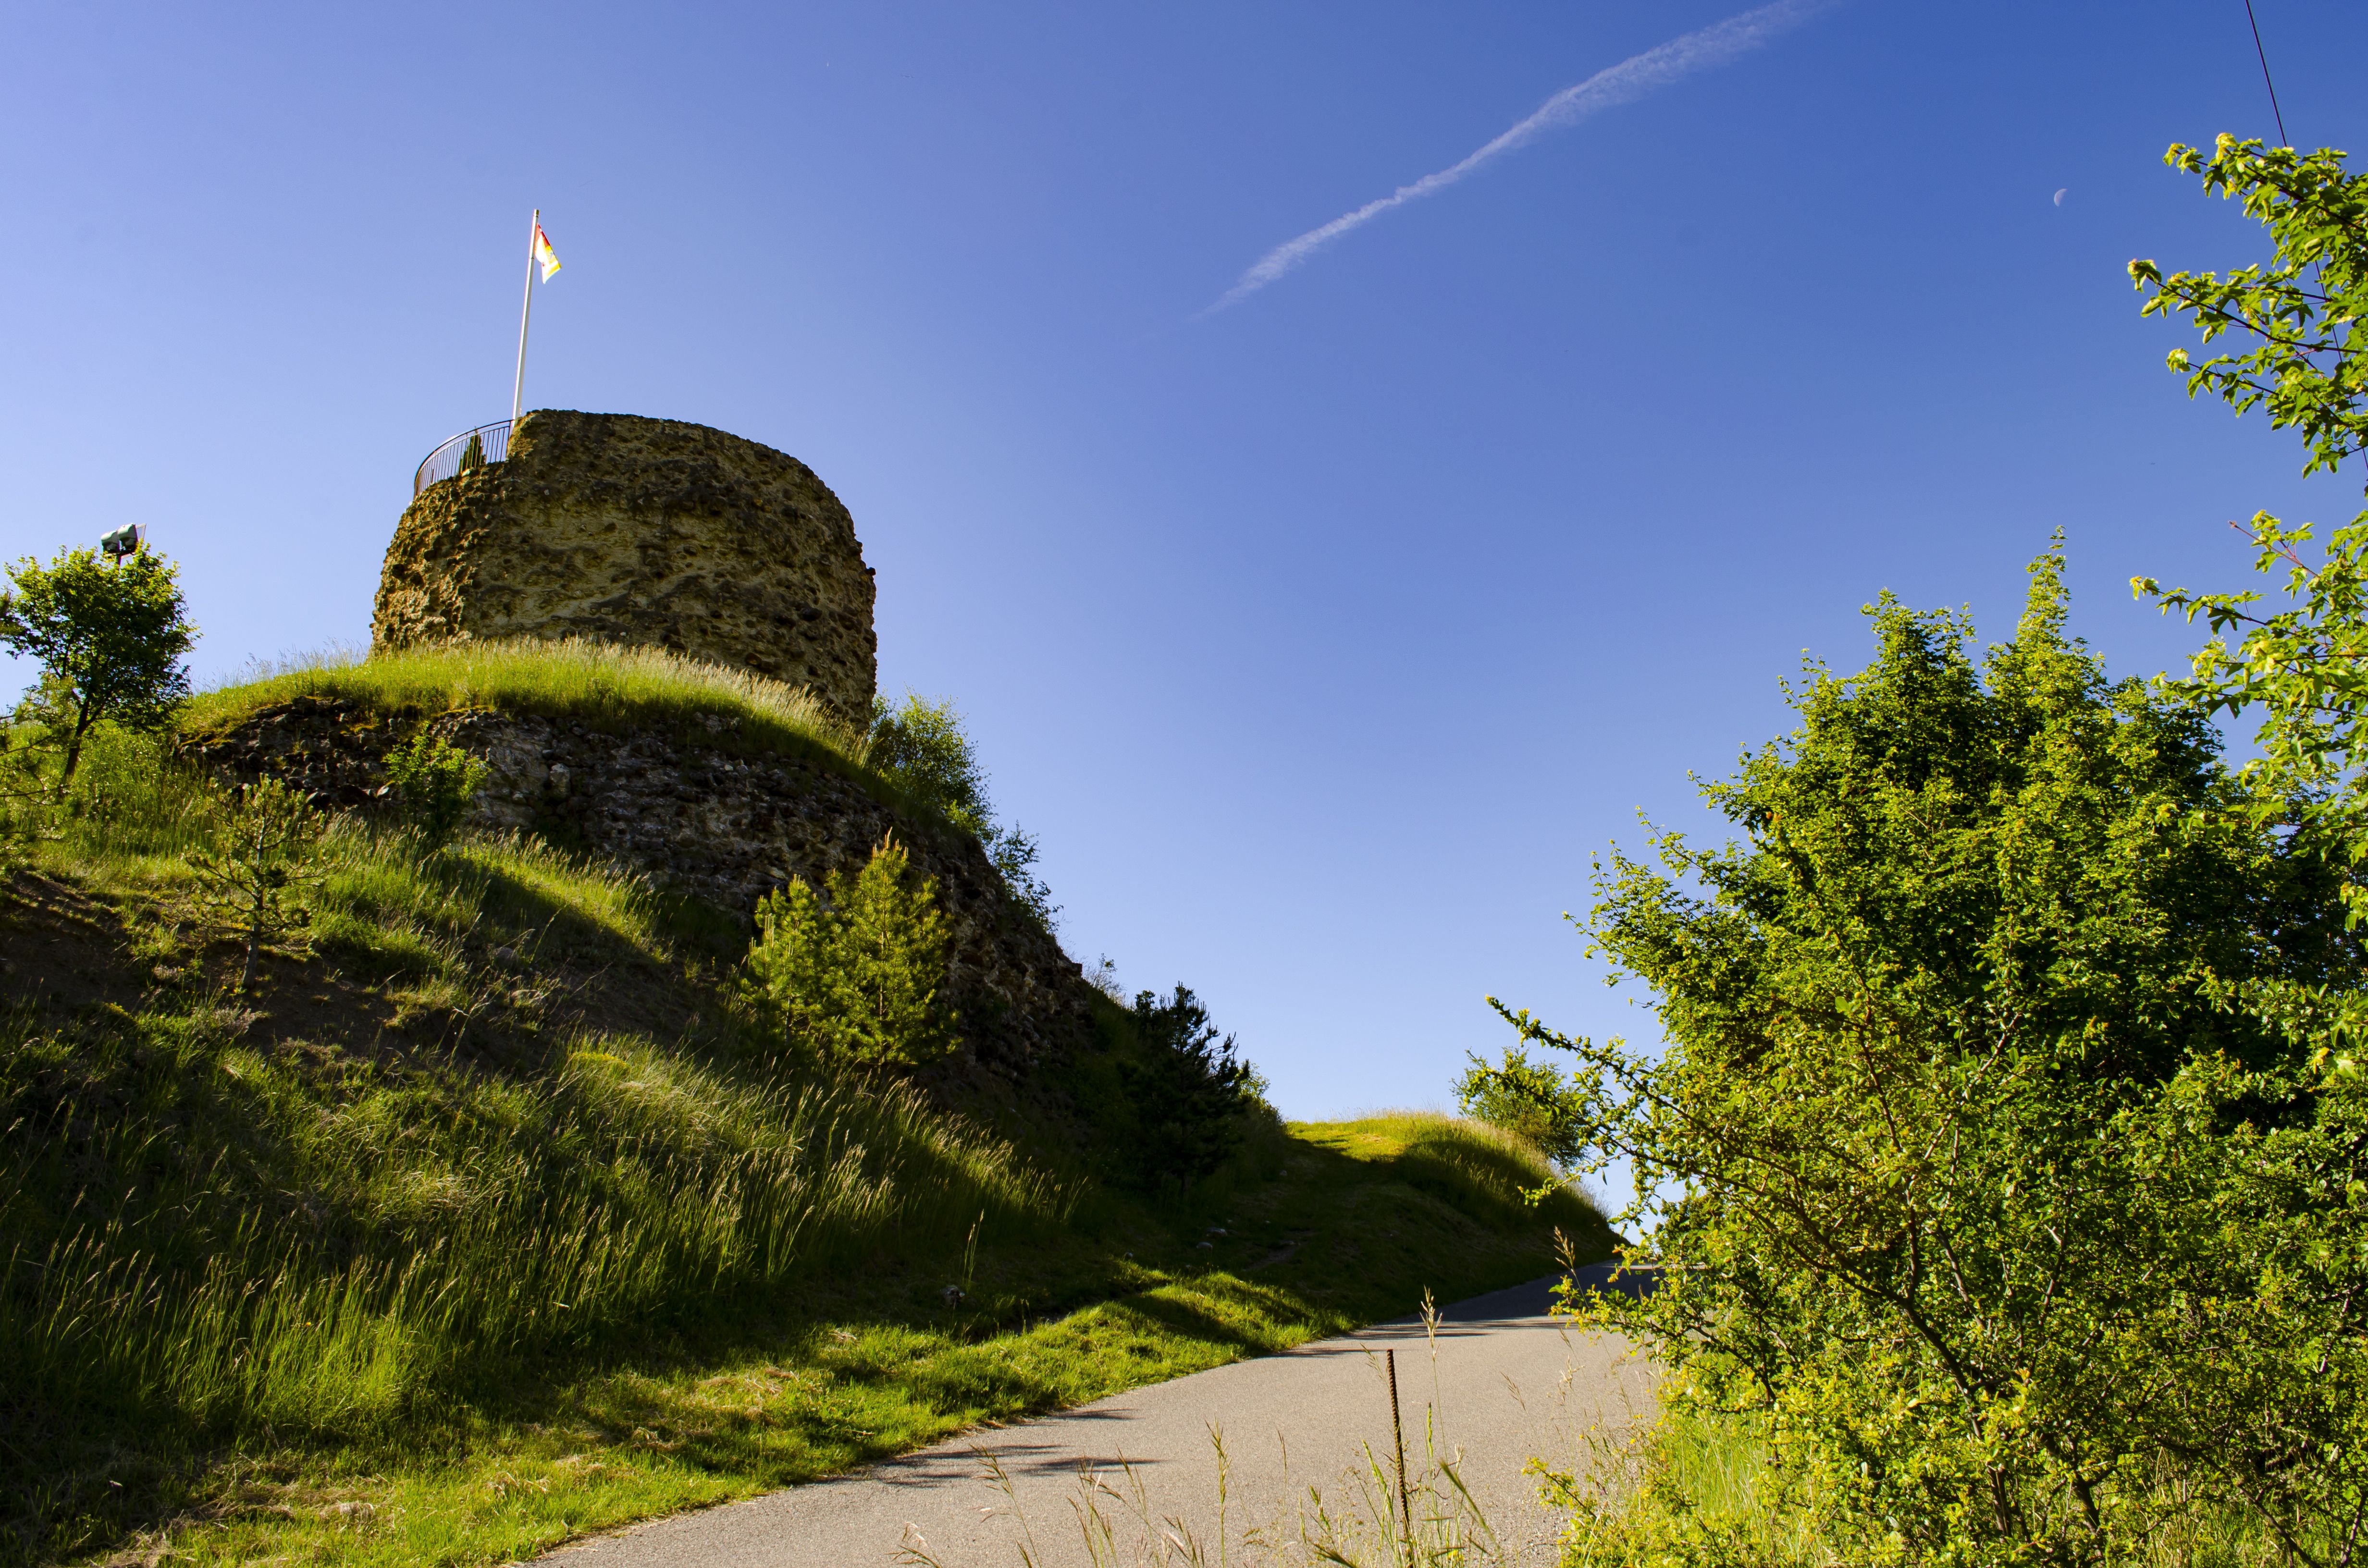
(1609,88)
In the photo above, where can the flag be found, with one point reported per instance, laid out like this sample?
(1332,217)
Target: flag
(544,254)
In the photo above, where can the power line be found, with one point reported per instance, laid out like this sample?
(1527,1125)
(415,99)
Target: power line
(2284,139)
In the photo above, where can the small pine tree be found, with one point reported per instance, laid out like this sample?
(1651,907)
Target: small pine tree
(857,980)
(1189,1090)
(252,881)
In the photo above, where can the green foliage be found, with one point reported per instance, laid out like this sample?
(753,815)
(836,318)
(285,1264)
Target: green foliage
(1996,1151)
(252,881)
(2298,667)
(110,640)
(921,746)
(1188,1092)
(1534,1099)
(857,980)
(433,778)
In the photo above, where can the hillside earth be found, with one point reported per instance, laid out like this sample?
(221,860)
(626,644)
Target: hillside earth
(488,1218)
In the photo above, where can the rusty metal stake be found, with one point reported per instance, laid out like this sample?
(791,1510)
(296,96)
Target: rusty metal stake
(1398,1430)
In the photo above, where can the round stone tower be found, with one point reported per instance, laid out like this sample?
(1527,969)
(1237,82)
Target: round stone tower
(644,531)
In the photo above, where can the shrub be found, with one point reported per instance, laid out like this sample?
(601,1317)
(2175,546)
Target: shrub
(1189,1093)
(920,745)
(856,980)
(2002,1155)
(1533,1099)
(433,778)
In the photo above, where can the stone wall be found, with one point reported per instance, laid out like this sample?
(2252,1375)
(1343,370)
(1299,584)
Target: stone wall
(721,824)
(645,531)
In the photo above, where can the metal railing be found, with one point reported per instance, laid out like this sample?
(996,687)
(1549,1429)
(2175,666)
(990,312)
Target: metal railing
(469,449)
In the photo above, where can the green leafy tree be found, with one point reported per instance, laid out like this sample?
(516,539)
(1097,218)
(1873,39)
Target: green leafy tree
(857,980)
(2303,323)
(434,779)
(109,639)
(2001,1170)
(1190,1094)
(922,747)
(1534,1098)
(254,879)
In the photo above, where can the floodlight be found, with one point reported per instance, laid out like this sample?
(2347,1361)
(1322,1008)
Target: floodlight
(123,541)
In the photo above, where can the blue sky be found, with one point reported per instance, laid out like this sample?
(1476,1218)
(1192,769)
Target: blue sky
(1323,639)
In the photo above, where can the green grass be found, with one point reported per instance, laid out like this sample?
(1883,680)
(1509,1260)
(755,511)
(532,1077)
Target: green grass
(486,1218)
(1697,1486)
(600,686)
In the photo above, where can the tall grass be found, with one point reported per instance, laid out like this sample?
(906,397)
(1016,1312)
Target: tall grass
(230,1228)
(451,1228)
(1481,1169)
(1702,1486)
(601,685)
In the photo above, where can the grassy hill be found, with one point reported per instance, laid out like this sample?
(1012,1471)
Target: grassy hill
(487,1220)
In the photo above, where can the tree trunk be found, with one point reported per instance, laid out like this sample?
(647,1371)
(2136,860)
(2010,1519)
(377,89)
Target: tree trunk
(254,934)
(83,719)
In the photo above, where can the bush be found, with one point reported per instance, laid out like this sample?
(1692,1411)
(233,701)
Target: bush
(855,980)
(1190,1094)
(2006,1165)
(920,745)
(433,779)
(1532,1100)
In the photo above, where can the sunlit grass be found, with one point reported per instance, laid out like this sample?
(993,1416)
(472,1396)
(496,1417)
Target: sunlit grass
(601,685)
(249,1275)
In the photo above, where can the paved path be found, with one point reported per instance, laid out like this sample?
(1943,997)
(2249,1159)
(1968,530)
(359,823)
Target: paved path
(1508,1383)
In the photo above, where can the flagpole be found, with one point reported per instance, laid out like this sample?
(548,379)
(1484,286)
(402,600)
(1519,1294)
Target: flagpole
(517,387)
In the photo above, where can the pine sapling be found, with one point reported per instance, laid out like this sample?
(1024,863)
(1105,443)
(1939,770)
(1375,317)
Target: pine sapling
(253,882)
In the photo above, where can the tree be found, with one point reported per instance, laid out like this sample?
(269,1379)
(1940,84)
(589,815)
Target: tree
(1190,1092)
(253,880)
(922,747)
(2300,669)
(1534,1099)
(858,980)
(109,639)
(1986,1146)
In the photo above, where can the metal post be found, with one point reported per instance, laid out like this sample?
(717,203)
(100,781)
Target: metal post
(517,387)
(1398,1430)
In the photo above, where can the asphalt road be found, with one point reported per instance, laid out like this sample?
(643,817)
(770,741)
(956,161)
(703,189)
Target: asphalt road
(1500,1382)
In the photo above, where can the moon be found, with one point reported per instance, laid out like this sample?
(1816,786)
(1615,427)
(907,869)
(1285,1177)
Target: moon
(2059,195)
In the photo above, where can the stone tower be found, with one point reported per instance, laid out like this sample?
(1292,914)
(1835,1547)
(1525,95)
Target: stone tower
(644,531)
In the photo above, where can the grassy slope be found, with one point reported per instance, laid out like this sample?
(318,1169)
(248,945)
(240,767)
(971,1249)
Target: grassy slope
(598,685)
(485,1224)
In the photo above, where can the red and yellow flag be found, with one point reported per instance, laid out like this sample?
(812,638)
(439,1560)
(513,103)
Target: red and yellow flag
(544,254)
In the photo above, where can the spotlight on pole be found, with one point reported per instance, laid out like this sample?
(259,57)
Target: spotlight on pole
(123,541)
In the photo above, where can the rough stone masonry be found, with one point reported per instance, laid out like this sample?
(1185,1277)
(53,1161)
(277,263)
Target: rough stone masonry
(723,825)
(652,532)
